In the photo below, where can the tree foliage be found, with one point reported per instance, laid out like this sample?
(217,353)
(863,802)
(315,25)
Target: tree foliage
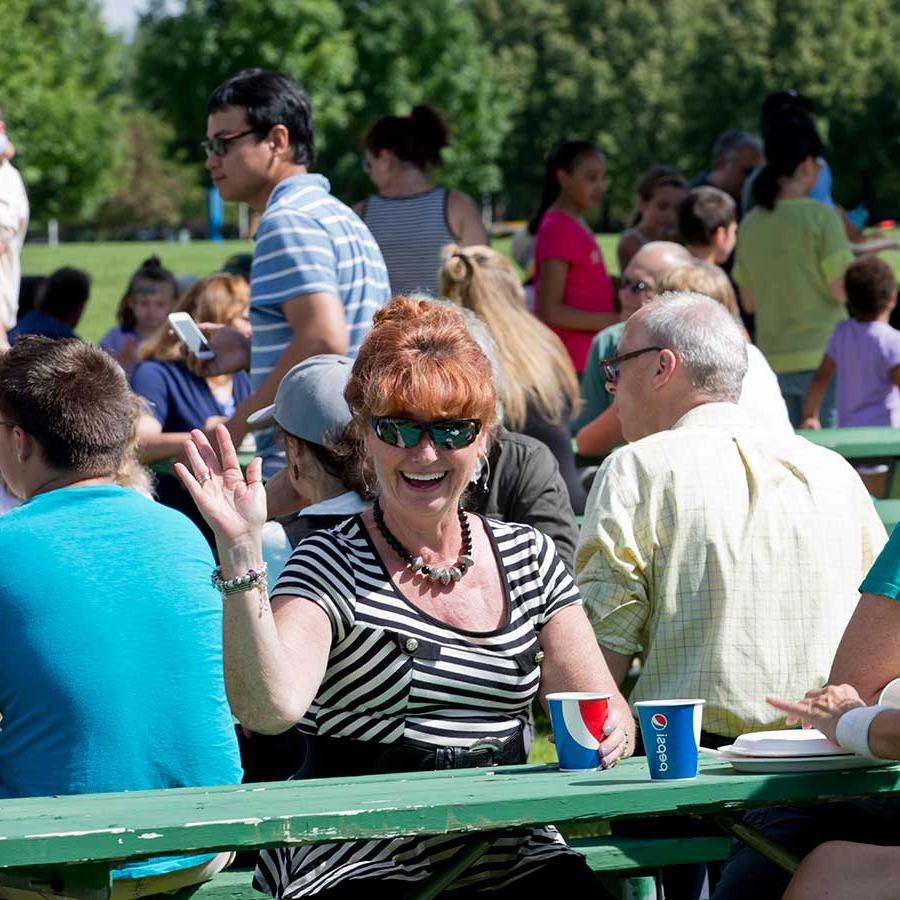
(180,58)
(657,82)
(150,190)
(427,52)
(650,82)
(358,60)
(59,71)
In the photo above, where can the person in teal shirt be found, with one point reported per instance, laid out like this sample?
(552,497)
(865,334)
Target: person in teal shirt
(111,647)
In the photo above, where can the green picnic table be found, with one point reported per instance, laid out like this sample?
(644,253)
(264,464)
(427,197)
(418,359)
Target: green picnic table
(858,443)
(70,843)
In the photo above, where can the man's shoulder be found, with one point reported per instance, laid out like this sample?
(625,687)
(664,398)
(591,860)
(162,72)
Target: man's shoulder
(306,198)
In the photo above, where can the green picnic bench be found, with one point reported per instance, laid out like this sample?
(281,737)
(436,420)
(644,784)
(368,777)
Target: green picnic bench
(69,844)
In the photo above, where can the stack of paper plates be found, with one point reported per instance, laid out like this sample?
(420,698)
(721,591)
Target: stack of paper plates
(801,750)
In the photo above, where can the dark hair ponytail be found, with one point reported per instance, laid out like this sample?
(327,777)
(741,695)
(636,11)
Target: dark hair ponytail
(793,141)
(417,138)
(151,269)
(563,156)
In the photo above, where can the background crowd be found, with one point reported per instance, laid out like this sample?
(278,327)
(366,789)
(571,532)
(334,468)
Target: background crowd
(414,503)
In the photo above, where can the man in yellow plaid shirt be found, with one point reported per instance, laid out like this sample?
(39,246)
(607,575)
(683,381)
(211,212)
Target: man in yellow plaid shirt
(727,557)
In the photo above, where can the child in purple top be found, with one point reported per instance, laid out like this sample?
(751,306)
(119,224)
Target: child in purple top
(864,352)
(147,301)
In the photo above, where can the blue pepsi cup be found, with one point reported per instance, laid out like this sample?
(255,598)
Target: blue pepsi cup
(578,718)
(671,732)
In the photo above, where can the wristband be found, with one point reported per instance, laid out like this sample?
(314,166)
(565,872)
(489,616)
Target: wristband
(852,731)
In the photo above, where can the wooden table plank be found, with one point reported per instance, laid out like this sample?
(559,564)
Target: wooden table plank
(100,827)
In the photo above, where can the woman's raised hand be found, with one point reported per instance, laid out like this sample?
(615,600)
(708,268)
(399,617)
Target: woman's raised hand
(234,506)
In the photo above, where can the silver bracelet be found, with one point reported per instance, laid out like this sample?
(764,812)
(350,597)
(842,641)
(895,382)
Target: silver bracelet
(254,578)
(852,731)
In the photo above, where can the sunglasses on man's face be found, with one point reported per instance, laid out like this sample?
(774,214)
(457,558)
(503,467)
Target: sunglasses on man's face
(637,287)
(218,145)
(611,367)
(449,434)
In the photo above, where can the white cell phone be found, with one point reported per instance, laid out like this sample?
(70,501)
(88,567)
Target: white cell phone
(190,335)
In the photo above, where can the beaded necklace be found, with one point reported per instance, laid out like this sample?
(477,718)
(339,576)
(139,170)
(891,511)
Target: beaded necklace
(417,564)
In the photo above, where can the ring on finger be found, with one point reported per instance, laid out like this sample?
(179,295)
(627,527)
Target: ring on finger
(202,479)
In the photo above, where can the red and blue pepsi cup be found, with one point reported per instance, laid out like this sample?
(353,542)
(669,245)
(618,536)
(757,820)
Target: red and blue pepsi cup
(671,733)
(578,718)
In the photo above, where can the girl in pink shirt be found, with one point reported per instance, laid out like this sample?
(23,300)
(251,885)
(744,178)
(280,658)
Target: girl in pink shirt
(574,292)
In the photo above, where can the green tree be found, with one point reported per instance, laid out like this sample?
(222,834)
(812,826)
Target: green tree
(150,191)
(657,82)
(358,60)
(61,93)
(180,58)
(427,52)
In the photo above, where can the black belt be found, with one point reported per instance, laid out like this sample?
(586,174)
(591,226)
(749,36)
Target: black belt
(328,757)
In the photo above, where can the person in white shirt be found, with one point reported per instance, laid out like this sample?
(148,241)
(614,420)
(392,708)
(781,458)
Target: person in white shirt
(13,226)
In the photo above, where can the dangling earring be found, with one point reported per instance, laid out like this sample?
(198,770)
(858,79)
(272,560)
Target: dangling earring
(485,473)
(366,488)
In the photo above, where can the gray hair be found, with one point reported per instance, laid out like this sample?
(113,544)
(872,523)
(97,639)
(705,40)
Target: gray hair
(704,337)
(729,142)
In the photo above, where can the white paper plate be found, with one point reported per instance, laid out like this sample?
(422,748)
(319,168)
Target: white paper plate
(759,766)
(732,750)
(786,743)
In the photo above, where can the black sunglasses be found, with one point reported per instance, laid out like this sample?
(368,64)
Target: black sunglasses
(636,287)
(450,434)
(611,366)
(218,145)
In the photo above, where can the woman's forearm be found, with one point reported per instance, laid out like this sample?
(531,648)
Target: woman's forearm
(600,436)
(264,688)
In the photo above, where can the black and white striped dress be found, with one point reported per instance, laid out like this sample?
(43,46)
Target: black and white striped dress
(453,688)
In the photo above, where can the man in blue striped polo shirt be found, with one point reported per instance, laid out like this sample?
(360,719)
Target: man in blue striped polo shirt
(318,276)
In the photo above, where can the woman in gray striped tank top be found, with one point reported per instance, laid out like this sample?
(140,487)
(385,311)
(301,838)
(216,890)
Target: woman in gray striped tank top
(411,219)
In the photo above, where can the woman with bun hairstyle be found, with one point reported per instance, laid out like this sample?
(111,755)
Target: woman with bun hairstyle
(410,218)
(539,392)
(574,292)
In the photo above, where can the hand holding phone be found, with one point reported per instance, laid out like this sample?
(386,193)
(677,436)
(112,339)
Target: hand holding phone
(190,335)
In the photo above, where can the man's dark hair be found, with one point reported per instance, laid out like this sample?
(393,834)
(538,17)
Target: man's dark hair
(64,294)
(270,99)
(703,211)
(870,286)
(729,142)
(72,398)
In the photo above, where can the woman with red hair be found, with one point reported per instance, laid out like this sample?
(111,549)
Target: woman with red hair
(412,636)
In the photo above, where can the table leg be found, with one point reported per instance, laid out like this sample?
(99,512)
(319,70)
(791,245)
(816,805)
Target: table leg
(465,857)
(754,838)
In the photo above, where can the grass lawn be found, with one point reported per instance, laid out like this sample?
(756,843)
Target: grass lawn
(110,265)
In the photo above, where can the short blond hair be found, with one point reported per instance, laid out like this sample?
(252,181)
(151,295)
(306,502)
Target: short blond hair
(701,278)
